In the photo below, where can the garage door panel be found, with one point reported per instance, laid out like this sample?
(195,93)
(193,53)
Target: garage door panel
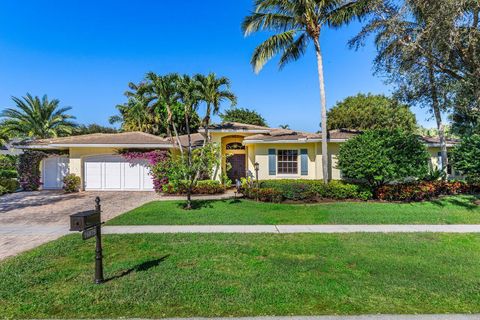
(112,172)
(93,175)
(132,176)
(53,171)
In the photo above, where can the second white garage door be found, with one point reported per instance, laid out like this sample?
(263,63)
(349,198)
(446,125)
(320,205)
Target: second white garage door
(112,172)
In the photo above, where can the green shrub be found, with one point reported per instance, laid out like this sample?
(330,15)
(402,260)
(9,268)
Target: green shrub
(264,194)
(3,190)
(10,185)
(71,183)
(8,173)
(310,190)
(465,158)
(8,162)
(202,187)
(380,157)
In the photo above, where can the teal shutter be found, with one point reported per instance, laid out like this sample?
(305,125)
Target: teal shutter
(304,162)
(272,162)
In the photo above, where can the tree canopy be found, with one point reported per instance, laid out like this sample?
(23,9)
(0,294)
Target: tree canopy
(367,112)
(243,115)
(33,117)
(93,128)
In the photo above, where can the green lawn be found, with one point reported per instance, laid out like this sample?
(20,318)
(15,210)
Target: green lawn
(186,275)
(451,210)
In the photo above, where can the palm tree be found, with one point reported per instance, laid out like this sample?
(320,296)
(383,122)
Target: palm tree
(37,118)
(296,23)
(213,91)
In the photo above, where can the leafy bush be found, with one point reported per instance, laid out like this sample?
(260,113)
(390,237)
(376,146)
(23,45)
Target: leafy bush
(379,157)
(202,187)
(264,194)
(310,190)
(29,169)
(465,157)
(8,162)
(71,183)
(424,190)
(8,173)
(9,185)
(3,190)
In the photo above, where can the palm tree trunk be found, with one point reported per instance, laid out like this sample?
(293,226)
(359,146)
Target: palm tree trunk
(189,161)
(323,105)
(438,118)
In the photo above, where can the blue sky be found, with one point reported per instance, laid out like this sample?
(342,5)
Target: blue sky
(85,53)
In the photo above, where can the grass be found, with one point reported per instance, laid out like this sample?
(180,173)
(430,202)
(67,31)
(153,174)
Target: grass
(187,275)
(450,210)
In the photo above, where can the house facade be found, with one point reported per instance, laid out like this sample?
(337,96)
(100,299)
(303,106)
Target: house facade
(277,153)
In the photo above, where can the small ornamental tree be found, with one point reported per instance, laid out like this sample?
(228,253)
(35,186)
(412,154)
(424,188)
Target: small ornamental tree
(378,157)
(466,157)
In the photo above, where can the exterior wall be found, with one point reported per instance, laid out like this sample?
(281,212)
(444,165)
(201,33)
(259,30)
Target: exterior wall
(77,156)
(434,161)
(261,156)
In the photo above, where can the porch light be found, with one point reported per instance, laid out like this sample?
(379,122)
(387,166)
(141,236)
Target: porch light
(257,167)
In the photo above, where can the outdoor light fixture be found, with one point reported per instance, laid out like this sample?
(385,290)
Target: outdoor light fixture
(257,167)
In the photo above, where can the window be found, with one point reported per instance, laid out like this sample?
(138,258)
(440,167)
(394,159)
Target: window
(287,161)
(235,146)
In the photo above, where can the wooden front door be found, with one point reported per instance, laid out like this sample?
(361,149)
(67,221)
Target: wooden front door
(238,169)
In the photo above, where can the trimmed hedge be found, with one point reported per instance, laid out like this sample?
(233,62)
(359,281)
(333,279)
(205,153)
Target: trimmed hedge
(307,190)
(202,187)
(424,190)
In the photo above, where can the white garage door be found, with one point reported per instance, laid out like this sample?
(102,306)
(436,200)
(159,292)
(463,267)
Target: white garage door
(54,169)
(111,172)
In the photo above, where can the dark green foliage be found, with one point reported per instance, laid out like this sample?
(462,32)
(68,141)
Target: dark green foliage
(29,168)
(466,157)
(8,174)
(243,115)
(201,187)
(307,191)
(71,183)
(368,112)
(378,157)
(93,128)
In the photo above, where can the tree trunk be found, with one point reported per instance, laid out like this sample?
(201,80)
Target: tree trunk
(171,122)
(323,104)
(438,118)
(189,161)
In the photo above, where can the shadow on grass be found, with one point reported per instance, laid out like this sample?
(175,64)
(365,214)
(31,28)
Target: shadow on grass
(466,202)
(201,204)
(144,266)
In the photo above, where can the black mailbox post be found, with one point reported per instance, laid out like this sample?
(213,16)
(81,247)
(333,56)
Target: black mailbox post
(89,223)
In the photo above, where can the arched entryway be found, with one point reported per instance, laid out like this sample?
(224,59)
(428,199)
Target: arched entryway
(236,162)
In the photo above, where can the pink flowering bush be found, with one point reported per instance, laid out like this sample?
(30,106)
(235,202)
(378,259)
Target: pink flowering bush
(156,160)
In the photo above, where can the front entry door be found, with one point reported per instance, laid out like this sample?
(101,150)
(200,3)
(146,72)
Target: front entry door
(238,167)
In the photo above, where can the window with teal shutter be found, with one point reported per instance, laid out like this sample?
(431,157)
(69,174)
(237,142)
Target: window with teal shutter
(304,162)
(272,169)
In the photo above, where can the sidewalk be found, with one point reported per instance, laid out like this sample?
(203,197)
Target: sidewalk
(292,229)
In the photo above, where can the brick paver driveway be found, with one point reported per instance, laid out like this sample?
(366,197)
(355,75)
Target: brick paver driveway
(28,219)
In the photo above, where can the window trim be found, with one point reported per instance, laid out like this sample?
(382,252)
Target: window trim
(298,163)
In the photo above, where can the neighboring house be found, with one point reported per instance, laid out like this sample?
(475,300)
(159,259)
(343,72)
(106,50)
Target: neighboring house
(279,153)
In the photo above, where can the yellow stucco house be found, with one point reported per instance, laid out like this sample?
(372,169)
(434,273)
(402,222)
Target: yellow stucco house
(278,153)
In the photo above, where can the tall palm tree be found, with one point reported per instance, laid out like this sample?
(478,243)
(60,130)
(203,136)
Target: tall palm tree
(296,23)
(37,118)
(213,91)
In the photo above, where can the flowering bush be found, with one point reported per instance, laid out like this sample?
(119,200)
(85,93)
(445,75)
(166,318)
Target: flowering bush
(29,169)
(156,160)
(71,183)
(424,190)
